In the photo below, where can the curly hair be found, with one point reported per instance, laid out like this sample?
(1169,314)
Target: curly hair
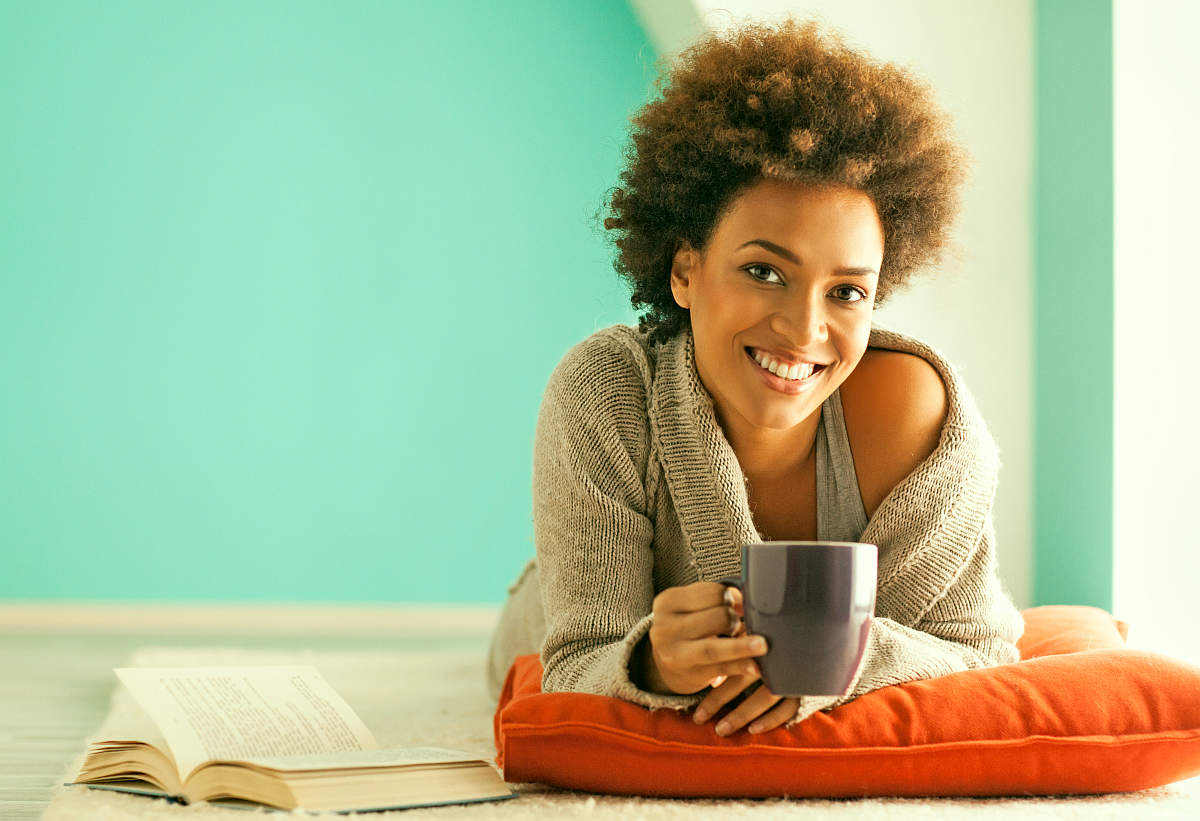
(782,103)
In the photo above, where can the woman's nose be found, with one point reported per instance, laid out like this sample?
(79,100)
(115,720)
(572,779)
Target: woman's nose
(803,322)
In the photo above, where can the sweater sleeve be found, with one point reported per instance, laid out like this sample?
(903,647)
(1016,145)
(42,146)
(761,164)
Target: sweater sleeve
(973,624)
(591,530)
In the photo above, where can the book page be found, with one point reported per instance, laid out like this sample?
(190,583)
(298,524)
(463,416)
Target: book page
(208,713)
(398,757)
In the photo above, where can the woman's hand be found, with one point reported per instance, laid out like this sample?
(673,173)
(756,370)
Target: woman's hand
(759,703)
(767,709)
(694,641)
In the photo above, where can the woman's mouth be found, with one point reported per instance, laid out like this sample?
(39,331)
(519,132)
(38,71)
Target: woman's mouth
(805,375)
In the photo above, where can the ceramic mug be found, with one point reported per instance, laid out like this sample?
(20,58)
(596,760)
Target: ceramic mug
(813,602)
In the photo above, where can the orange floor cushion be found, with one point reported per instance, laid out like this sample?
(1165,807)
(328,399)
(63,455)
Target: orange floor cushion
(1080,713)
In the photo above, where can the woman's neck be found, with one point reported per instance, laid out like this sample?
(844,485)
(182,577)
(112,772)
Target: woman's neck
(767,455)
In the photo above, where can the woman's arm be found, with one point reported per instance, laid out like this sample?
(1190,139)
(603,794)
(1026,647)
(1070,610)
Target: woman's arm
(974,624)
(591,530)
(941,607)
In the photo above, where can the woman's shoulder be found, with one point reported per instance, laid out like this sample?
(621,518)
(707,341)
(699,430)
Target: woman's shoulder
(610,370)
(896,403)
(907,356)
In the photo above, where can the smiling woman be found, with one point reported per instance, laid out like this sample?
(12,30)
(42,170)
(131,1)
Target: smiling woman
(781,188)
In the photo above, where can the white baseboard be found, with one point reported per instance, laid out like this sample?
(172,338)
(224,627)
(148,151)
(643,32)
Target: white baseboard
(263,618)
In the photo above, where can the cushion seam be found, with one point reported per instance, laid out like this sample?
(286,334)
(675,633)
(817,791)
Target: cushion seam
(1095,739)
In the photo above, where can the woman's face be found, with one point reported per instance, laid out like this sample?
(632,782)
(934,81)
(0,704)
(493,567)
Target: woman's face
(790,273)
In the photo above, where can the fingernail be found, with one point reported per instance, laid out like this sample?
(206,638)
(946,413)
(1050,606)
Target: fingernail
(700,717)
(728,596)
(751,669)
(723,728)
(717,682)
(758,644)
(756,728)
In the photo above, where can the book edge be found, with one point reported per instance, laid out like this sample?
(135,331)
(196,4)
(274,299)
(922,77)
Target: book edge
(257,807)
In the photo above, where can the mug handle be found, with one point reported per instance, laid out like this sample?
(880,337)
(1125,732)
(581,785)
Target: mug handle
(736,581)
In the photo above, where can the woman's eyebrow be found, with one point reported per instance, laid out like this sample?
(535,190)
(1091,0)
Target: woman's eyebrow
(795,260)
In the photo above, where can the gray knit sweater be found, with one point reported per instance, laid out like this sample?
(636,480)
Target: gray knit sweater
(636,489)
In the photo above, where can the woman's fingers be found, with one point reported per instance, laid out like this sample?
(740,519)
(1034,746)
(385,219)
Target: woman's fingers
(700,610)
(724,656)
(692,598)
(762,702)
(697,638)
(729,624)
(718,620)
(777,716)
(720,696)
(699,661)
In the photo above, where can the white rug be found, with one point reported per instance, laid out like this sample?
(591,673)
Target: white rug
(439,699)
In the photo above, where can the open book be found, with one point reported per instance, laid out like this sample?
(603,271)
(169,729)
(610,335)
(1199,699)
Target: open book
(270,735)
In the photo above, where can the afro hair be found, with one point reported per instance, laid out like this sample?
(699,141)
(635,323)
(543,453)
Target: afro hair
(779,103)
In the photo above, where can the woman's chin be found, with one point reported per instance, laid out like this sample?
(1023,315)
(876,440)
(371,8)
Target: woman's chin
(780,420)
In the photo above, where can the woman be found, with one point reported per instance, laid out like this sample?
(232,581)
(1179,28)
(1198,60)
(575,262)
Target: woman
(780,189)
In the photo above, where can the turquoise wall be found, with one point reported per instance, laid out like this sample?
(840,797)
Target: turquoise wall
(281,284)
(1073,440)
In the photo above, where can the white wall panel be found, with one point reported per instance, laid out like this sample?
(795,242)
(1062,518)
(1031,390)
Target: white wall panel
(1156,447)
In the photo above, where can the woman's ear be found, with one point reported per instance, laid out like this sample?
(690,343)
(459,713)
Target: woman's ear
(684,267)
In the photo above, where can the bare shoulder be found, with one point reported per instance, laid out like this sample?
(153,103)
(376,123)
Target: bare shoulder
(895,405)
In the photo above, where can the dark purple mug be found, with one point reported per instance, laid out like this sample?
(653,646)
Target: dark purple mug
(813,602)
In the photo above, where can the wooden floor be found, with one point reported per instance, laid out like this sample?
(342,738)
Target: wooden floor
(56,681)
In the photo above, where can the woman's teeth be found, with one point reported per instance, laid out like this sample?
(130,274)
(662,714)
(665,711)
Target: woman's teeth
(795,373)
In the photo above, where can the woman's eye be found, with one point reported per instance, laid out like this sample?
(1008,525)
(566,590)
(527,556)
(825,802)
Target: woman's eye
(750,268)
(858,293)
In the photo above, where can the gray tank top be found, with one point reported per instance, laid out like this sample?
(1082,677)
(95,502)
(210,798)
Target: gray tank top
(841,516)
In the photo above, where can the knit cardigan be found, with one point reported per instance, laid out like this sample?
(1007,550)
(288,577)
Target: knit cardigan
(636,489)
